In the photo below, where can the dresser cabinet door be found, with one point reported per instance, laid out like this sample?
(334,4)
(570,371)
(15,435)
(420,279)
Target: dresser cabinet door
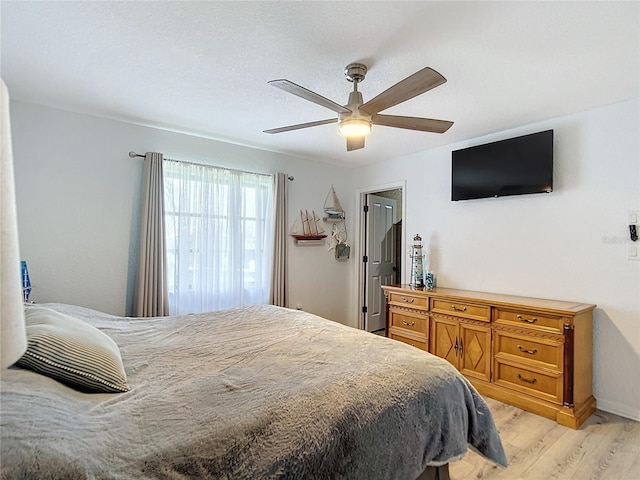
(444,338)
(475,351)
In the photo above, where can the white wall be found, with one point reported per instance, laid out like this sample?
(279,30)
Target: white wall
(78,201)
(78,196)
(570,244)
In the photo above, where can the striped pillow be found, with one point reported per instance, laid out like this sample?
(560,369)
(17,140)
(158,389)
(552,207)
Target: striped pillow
(72,352)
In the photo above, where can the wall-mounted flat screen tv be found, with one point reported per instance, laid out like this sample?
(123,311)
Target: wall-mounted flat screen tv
(515,166)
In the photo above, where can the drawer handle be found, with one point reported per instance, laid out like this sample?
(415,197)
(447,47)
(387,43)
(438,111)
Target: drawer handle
(458,309)
(530,352)
(528,320)
(532,381)
(408,300)
(408,324)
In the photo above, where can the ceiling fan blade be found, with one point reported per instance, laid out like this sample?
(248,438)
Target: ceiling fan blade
(412,123)
(355,143)
(301,125)
(418,83)
(302,92)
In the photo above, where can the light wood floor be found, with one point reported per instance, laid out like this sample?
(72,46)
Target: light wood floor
(606,447)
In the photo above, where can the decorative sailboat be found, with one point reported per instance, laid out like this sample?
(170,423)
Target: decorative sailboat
(332,207)
(311,227)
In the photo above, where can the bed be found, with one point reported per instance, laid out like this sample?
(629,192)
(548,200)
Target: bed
(255,393)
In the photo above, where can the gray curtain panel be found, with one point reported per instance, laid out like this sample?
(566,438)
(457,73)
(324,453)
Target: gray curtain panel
(278,294)
(152,296)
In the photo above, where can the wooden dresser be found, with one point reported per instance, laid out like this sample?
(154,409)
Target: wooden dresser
(533,353)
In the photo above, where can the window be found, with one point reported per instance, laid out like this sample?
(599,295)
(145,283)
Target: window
(219,226)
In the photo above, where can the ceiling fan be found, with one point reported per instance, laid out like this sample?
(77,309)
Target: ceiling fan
(356,117)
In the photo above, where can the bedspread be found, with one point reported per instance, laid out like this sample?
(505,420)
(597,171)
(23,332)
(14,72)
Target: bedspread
(255,393)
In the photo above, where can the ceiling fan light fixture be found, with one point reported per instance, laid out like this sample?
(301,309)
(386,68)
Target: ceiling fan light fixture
(356,118)
(355,127)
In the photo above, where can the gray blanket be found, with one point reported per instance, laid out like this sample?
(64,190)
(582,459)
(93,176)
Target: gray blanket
(255,393)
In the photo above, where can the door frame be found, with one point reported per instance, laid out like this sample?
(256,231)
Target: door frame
(359,247)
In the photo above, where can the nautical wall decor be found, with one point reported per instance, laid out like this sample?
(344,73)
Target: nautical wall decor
(335,215)
(308,228)
(332,207)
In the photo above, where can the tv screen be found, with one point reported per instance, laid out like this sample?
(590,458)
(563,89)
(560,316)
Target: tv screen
(515,166)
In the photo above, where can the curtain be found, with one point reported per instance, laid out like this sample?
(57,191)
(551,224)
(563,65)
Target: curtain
(12,326)
(152,299)
(278,294)
(219,237)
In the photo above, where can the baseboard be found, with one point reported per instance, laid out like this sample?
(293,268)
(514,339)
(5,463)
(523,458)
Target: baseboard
(618,409)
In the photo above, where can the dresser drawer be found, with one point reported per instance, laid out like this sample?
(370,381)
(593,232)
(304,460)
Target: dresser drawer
(409,300)
(540,352)
(408,320)
(545,385)
(414,342)
(461,309)
(528,319)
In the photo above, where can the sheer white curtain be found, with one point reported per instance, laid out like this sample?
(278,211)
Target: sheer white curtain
(219,229)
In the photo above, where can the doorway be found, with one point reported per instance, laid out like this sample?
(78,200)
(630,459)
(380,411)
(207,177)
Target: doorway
(380,234)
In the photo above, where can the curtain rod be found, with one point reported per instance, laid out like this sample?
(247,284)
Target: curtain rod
(133,154)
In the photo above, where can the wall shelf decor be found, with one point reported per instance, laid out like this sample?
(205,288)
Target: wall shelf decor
(308,230)
(332,208)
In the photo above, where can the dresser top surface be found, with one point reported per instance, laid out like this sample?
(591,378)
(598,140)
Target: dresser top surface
(495,299)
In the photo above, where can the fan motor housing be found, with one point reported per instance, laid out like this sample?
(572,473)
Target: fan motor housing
(355,101)
(355,72)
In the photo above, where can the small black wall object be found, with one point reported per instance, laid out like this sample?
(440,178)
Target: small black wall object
(633,233)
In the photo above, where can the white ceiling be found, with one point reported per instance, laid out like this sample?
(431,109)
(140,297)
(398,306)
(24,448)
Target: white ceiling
(203,67)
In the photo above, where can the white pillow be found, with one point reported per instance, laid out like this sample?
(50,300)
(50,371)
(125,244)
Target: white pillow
(72,352)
